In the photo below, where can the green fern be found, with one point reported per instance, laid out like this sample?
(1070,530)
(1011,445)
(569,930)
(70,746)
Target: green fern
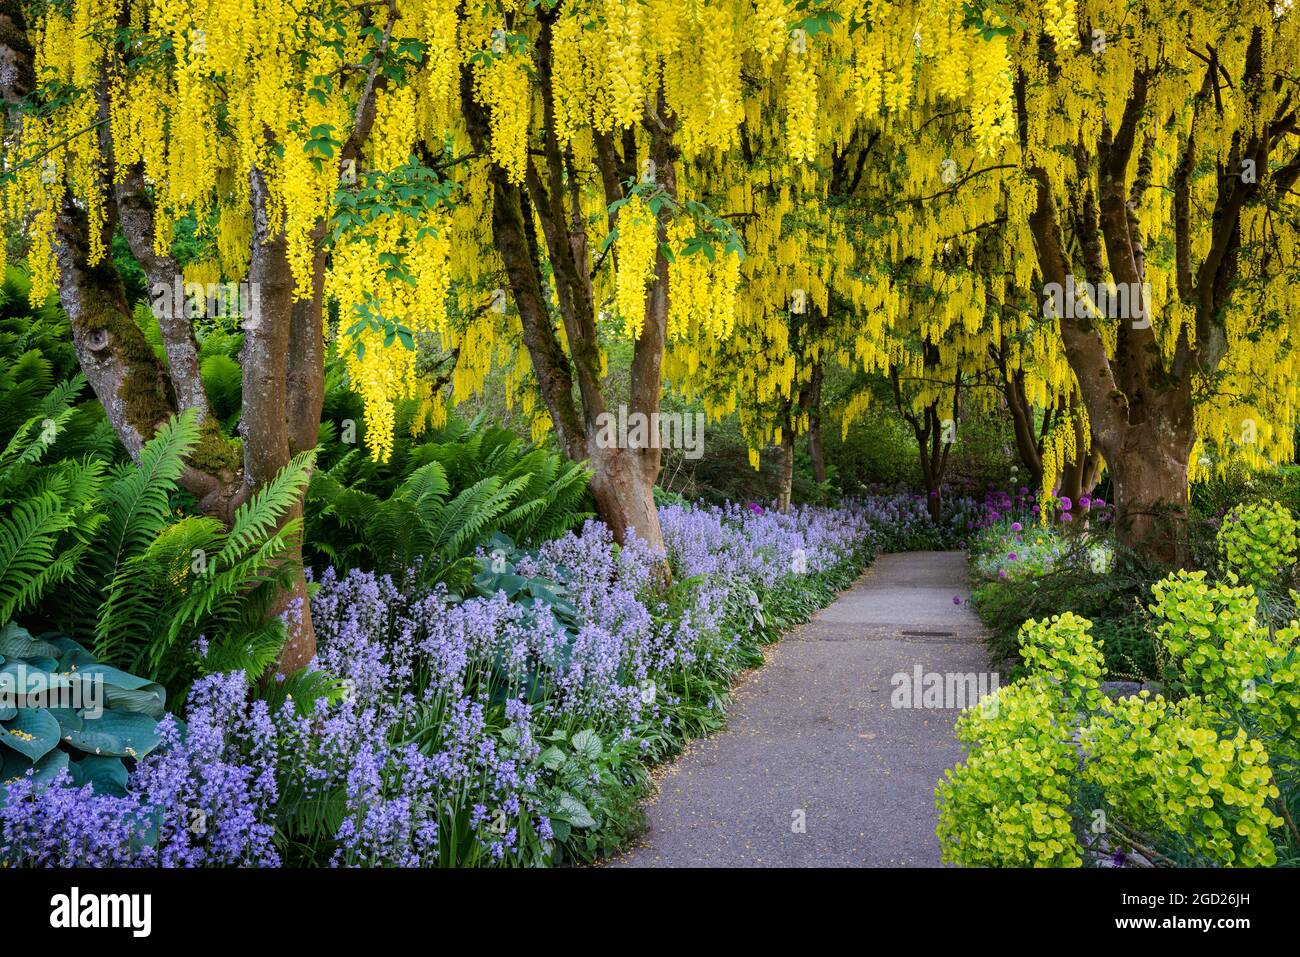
(439,500)
(196,578)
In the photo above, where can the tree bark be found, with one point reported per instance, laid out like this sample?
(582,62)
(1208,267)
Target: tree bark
(787,471)
(264,422)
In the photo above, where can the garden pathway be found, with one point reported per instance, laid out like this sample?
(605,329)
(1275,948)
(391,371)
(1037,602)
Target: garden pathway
(813,731)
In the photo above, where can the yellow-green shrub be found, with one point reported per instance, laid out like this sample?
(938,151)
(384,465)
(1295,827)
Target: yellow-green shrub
(1222,653)
(1258,539)
(1062,649)
(1181,770)
(1008,803)
(1193,774)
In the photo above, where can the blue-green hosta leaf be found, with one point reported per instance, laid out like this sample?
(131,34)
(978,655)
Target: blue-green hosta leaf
(14,766)
(33,732)
(149,700)
(128,692)
(16,642)
(123,734)
(106,774)
(74,656)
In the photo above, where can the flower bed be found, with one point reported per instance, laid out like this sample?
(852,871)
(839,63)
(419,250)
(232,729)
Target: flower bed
(509,727)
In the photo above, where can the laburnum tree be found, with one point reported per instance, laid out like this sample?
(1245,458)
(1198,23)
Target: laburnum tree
(1161,140)
(284,135)
(834,206)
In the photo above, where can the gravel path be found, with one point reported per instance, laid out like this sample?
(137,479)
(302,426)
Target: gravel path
(812,735)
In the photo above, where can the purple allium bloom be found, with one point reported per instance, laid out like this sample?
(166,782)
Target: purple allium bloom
(1017,527)
(1011,556)
(1066,504)
(1067,517)
(1085,501)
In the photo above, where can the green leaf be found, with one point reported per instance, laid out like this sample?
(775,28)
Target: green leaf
(14,765)
(107,775)
(118,733)
(16,642)
(33,732)
(553,758)
(587,743)
(574,811)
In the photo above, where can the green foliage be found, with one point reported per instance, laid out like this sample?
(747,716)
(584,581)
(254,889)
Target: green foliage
(87,718)
(50,518)
(431,510)
(1062,650)
(1199,778)
(592,804)
(1216,649)
(1258,540)
(1055,574)
(1177,771)
(1008,804)
(166,581)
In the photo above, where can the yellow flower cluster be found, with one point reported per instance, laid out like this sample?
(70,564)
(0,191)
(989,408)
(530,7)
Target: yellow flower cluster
(504,87)
(373,301)
(636,247)
(703,303)
(801,106)
(1060,22)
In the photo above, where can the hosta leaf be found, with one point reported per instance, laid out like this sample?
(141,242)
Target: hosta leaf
(106,774)
(16,642)
(117,733)
(33,732)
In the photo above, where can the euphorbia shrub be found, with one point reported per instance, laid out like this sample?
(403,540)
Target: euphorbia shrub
(1257,540)
(1056,770)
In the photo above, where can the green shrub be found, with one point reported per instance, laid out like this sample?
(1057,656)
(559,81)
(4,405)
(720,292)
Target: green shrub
(1194,781)
(1258,541)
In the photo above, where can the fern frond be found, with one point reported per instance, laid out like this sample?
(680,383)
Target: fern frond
(256,518)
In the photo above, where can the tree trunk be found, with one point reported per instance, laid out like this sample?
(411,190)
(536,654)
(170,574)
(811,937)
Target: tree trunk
(624,496)
(264,422)
(787,471)
(1151,494)
(623,479)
